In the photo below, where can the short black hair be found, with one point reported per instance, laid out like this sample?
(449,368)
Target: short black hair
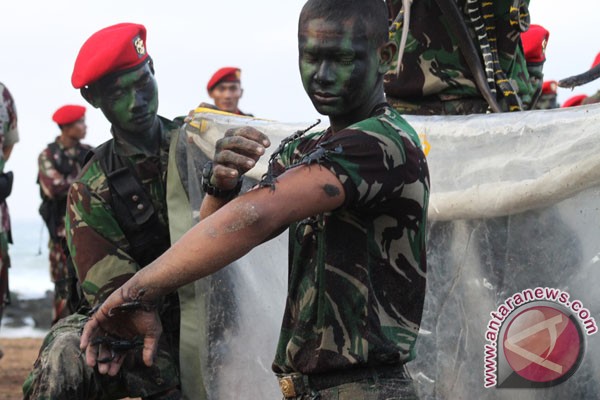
(373,14)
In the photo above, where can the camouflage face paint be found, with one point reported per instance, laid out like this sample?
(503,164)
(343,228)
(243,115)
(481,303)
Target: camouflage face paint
(130,101)
(339,69)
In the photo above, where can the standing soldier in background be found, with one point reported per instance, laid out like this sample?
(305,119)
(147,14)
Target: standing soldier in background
(58,166)
(225,88)
(535,40)
(9,135)
(548,98)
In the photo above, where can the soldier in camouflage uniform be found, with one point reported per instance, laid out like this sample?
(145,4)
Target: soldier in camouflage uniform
(548,97)
(58,166)
(435,76)
(355,199)
(109,236)
(9,135)
(535,40)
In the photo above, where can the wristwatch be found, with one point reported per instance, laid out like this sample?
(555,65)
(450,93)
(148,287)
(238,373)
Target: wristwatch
(208,188)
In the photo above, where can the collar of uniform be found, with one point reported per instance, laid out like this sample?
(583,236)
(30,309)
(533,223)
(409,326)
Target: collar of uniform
(123,148)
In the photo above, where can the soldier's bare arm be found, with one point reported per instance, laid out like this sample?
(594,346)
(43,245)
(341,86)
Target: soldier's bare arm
(215,242)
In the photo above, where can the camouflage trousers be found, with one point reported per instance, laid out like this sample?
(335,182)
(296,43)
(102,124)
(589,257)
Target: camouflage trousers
(58,275)
(60,371)
(395,384)
(4,266)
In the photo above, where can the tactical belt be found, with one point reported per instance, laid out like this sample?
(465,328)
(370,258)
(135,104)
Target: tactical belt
(296,384)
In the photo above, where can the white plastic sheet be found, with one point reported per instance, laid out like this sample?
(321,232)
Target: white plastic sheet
(514,205)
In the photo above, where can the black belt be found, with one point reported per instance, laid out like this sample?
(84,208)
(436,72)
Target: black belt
(297,384)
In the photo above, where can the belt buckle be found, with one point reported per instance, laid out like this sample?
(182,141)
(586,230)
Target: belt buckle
(286,384)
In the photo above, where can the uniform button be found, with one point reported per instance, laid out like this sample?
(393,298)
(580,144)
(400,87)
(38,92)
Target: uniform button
(140,206)
(135,198)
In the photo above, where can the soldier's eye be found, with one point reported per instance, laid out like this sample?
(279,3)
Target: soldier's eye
(309,58)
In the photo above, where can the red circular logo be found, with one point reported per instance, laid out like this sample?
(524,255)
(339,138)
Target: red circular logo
(542,344)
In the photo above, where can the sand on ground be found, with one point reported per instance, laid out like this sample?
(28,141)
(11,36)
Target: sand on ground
(19,356)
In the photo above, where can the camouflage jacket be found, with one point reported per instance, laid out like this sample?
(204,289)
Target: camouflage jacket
(95,237)
(433,67)
(9,135)
(547,101)
(58,170)
(357,274)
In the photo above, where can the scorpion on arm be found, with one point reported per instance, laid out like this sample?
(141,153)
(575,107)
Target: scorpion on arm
(121,345)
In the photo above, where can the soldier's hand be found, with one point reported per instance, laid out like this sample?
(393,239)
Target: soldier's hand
(235,154)
(120,324)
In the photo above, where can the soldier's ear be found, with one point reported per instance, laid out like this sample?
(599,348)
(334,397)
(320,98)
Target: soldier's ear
(151,65)
(386,53)
(90,95)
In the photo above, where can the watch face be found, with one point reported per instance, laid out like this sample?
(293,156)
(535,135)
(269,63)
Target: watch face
(208,188)
(207,170)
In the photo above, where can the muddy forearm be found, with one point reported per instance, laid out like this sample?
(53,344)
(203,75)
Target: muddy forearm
(215,242)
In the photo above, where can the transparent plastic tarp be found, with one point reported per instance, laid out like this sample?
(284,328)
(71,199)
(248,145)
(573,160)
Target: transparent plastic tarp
(514,206)
(241,305)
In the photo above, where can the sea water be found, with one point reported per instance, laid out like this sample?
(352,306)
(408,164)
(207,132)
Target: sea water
(29,275)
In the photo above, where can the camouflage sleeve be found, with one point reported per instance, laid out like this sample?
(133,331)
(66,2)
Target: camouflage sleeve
(371,167)
(11,135)
(96,242)
(52,182)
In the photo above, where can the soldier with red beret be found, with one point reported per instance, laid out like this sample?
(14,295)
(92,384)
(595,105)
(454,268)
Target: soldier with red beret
(225,88)
(116,223)
(574,101)
(58,166)
(548,96)
(535,40)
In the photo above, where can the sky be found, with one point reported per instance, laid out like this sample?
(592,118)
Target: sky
(189,41)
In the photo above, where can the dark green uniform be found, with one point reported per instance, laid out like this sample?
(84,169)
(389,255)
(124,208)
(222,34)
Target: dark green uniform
(357,274)
(435,78)
(58,167)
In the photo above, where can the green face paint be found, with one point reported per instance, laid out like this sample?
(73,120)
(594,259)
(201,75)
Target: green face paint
(339,69)
(130,100)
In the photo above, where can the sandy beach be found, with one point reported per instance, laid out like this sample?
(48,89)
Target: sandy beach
(20,352)
(19,355)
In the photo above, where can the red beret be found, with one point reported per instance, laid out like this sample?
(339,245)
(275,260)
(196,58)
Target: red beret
(549,87)
(596,60)
(225,74)
(68,114)
(574,101)
(116,48)
(534,43)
